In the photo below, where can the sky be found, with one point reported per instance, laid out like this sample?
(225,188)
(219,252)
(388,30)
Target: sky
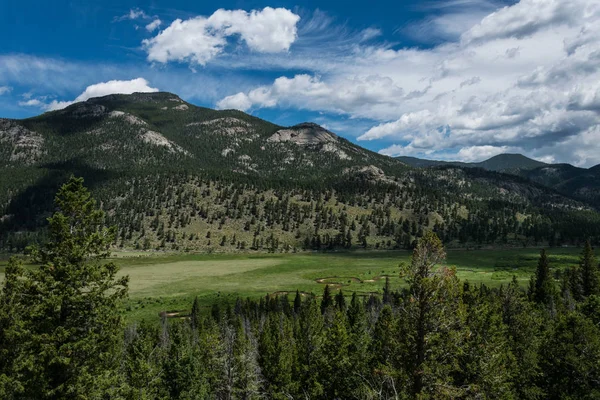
(450,80)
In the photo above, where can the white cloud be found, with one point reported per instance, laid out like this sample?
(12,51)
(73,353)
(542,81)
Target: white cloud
(133,14)
(524,77)
(32,103)
(200,39)
(5,90)
(153,25)
(96,90)
(308,91)
(526,18)
(237,101)
(480,153)
(115,86)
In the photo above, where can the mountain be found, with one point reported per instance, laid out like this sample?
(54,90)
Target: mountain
(579,183)
(509,162)
(172,175)
(424,163)
(147,130)
(499,163)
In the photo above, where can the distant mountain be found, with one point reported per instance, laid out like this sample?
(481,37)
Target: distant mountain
(580,183)
(509,162)
(499,163)
(173,175)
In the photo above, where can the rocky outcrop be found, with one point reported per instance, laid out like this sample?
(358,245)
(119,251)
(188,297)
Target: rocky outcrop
(304,134)
(25,146)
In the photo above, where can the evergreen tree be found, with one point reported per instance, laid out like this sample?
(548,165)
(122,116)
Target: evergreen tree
(195,314)
(340,301)
(67,324)
(570,359)
(360,342)
(327,300)
(335,371)
(297,302)
(431,321)
(309,342)
(590,274)
(247,380)
(276,356)
(543,289)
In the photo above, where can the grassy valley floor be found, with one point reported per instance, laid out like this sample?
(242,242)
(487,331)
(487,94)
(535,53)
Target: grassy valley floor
(168,282)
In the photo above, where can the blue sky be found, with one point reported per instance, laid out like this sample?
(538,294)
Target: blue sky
(454,79)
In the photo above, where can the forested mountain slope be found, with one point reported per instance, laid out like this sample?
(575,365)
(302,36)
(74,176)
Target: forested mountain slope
(175,176)
(500,163)
(579,183)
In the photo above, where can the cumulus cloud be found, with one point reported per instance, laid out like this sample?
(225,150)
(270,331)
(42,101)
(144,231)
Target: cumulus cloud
(4,90)
(309,91)
(525,77)
(239,101)
(198,40)
(153,25)
(525,19)
(96,90)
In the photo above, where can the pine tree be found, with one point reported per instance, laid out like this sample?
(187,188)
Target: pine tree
(69,322)
(297,302)
(340,301)
(335,371)
(276,355)
(309,342)
(327,300)
(247,381)
(432,311)
(195,314)
(590,274)
(387,293)
(570,359)
(543,287)
(360,342)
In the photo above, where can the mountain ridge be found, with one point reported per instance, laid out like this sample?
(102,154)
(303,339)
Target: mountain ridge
(580,183)
(498,163)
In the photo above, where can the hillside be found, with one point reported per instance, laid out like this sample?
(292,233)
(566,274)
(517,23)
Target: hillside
(500,163)
(579,183)
(174,175)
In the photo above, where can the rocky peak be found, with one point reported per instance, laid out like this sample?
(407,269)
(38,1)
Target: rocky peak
(304,134)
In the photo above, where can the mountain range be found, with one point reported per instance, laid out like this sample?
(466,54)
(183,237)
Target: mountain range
(580,183)
(172,175)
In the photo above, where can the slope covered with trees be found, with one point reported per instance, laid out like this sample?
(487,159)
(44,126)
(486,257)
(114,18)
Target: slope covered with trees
(579,183)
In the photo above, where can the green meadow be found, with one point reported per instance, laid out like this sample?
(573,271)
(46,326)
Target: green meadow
(163,282)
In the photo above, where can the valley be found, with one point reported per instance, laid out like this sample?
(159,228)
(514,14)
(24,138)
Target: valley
(169,282)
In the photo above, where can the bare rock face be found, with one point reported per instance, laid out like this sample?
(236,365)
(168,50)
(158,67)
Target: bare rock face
(304,134)
(227,126)
(131,119)
(370,172)
(158,139)
(27,146)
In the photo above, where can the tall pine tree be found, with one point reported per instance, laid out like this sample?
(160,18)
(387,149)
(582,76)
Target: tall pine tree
(66,323)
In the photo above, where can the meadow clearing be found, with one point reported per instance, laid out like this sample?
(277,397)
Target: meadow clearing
(169,281)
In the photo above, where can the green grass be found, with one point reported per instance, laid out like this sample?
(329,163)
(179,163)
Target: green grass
(170,281)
